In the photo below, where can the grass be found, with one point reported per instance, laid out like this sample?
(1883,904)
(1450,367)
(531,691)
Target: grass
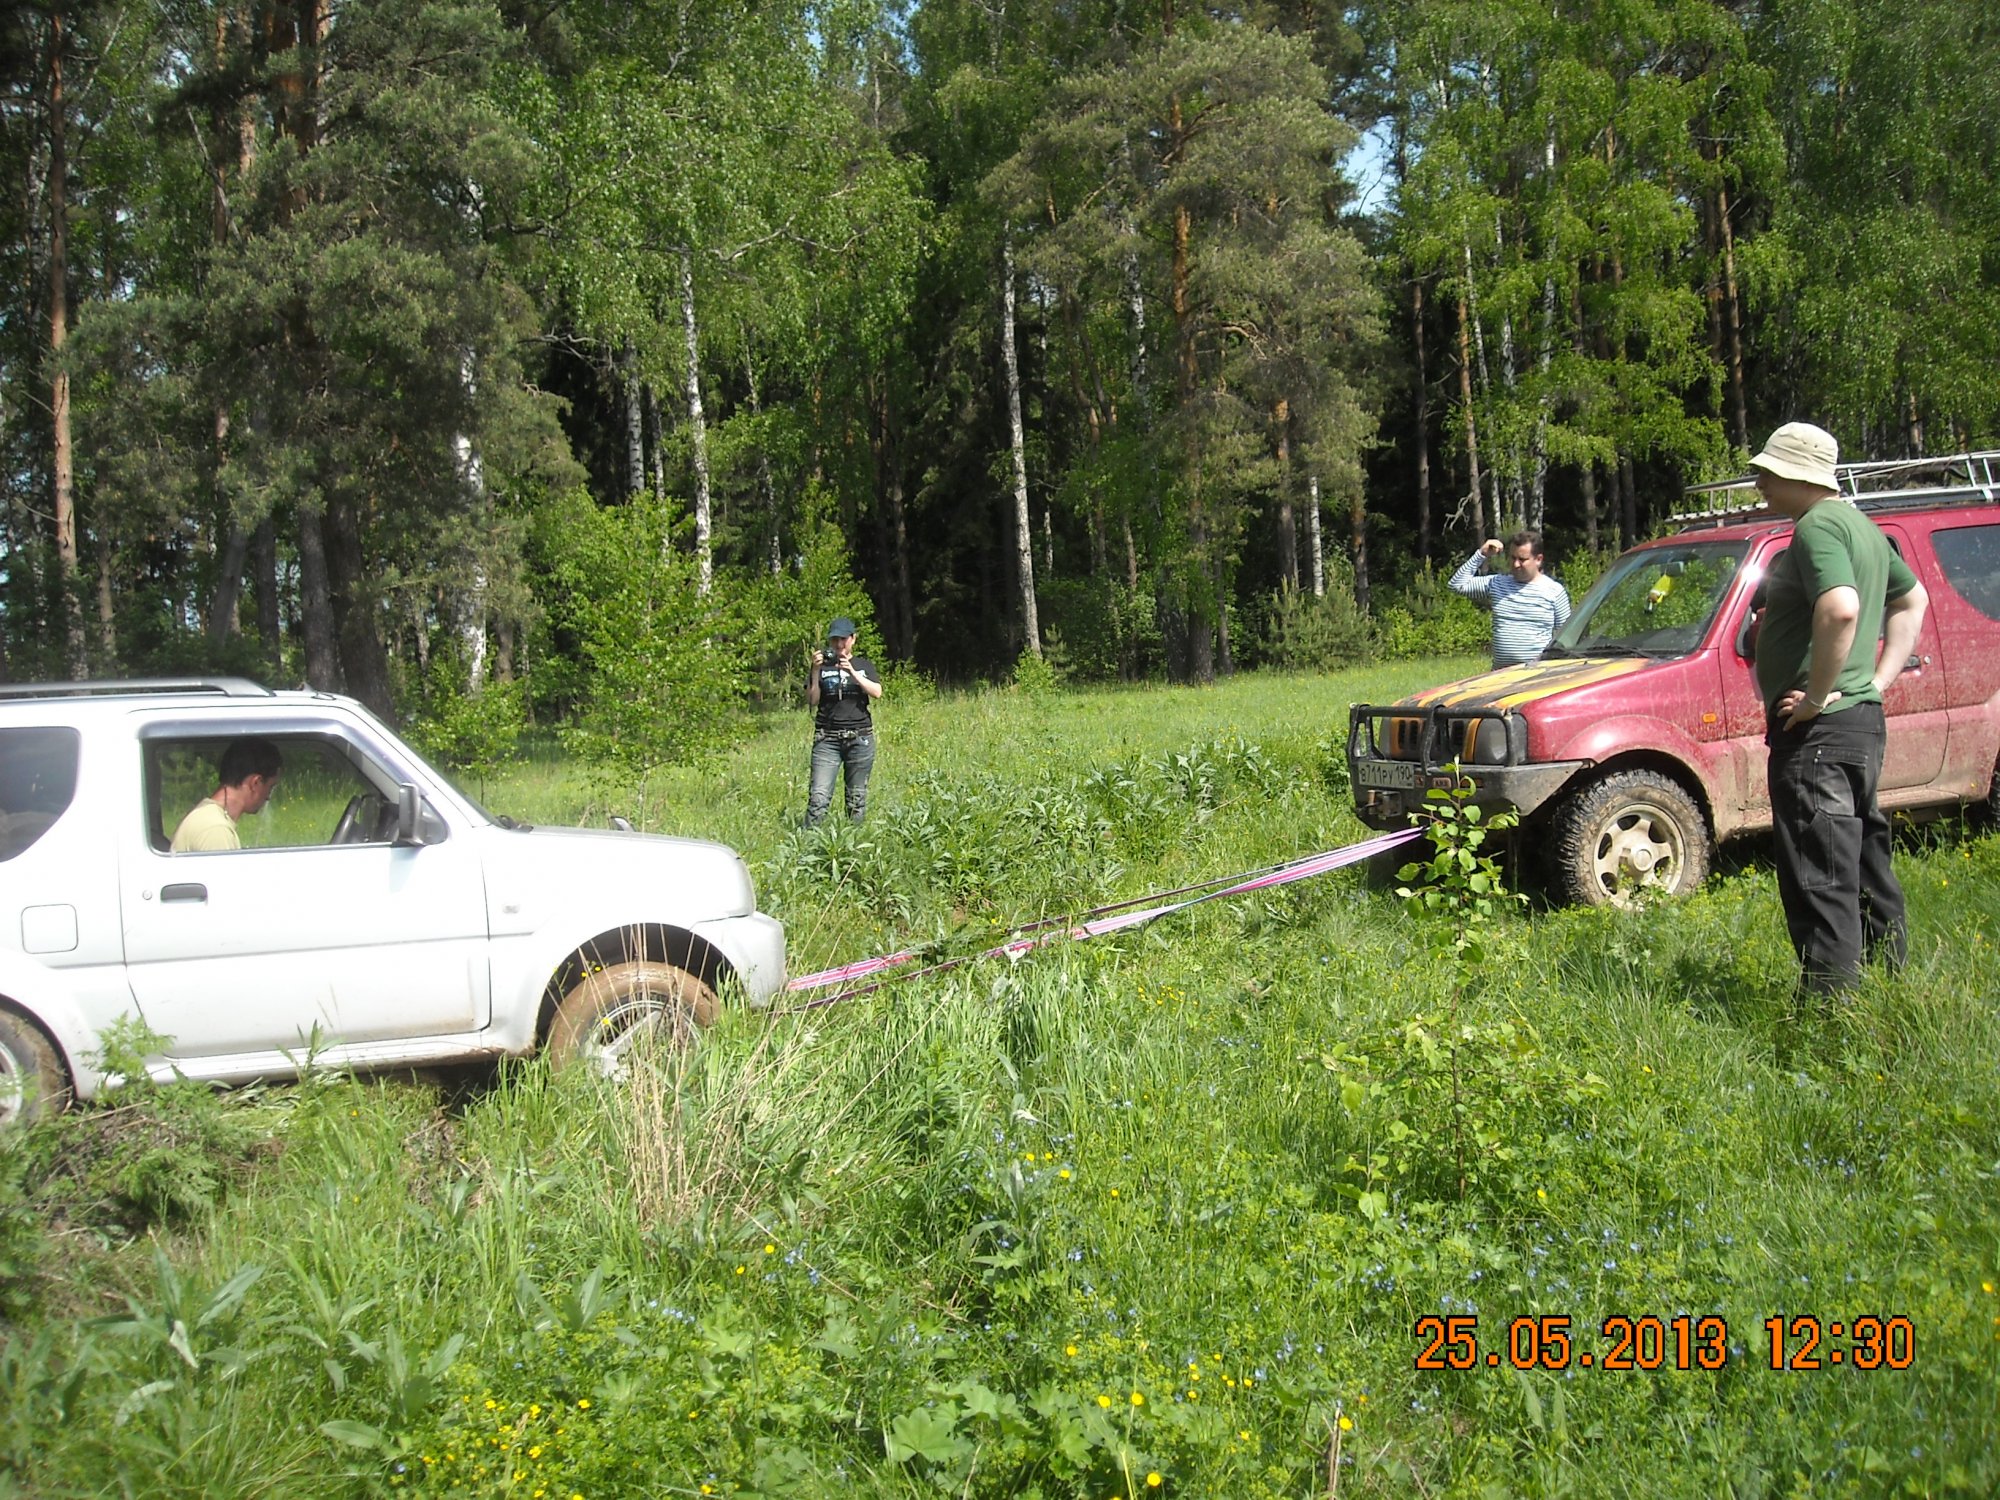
(1066,1225)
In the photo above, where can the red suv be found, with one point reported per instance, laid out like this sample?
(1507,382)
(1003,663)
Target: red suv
(1637,741)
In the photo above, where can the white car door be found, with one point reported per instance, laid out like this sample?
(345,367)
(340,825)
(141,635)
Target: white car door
(256,950)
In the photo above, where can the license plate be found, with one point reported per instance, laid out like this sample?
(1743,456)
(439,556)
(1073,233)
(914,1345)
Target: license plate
(1398,774)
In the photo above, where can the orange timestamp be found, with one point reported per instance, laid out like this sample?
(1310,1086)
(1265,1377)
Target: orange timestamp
(1682,1342)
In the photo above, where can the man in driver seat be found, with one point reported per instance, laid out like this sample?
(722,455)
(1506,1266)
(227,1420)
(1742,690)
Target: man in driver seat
(247,774)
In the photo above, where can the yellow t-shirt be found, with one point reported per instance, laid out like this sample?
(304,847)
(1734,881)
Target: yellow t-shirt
(206,827)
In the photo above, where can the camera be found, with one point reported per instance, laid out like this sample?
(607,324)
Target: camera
(829,657)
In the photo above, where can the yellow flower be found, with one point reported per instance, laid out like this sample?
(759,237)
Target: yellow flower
(536,1451)
(1064,1174)
(1243,1437)
(1137,1399)
(584,1404)
(534,1411)
(1153,1480)
(1346,1424)
(1114,1192)
(492,1405)
(1104,1401)
(1542,1193)
(1070,1350)
(739,1270)
(770,1249)
(1986,1287)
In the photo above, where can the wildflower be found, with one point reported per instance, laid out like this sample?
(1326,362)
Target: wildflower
(1137,1399)
(536,1451)
(1104,1401)
(1986,1287)
(1542,1193)
(1070,1350)
(1153,1480)
(492,1405)
(584,1404)
(739,1270)
(1243,1436)
(1346,1423)
(1114,1192)
(1064,1174)
(770,1249)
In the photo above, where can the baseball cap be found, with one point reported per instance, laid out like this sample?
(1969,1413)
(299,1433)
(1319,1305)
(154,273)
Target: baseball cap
(1801,451)
(840,629)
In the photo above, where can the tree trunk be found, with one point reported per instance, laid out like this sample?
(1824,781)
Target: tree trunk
(1313,544)
(364,661)
(1423,434)
(1738,408)
(222,607)
(767,493)
(635,421)
(656,449)
(1357,517)
(1288,527)
(704,556)
(1628,503)
(264,583)
(1023,535)
(1225,659)
(107,614)
(1479,532)
(1589,474)
(1468,312)
(471,606)
(64,461)
(316,604)
(1913,425)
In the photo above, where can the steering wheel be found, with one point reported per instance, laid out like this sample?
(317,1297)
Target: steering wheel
(355,820)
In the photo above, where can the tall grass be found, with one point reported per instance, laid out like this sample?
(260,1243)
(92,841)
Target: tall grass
(1057,1226)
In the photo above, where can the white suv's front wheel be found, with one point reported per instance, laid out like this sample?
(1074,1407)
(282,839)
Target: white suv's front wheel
(608,1013)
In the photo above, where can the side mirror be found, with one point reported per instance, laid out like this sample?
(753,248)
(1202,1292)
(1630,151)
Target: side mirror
(408,806)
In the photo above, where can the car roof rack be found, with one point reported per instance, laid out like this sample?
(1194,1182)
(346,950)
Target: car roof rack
(228,687)
(1876,485)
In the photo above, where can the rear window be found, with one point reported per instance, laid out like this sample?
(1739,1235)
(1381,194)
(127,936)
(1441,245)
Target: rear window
(1970,557)
(37,783)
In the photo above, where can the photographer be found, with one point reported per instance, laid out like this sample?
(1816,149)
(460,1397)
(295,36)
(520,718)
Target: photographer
(839,688)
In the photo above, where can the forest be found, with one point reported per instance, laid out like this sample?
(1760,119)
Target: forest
(512,362)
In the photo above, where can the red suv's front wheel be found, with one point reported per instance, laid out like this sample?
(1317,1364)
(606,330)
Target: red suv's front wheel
(1624,833)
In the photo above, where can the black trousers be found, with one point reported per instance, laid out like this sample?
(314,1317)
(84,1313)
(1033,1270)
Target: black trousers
(1840,895)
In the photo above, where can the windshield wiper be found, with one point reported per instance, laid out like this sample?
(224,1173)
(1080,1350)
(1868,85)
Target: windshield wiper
(1612,648)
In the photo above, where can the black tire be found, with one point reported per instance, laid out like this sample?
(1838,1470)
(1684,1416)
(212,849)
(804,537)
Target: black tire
(606,1013)
(33,1082)
(1627,832)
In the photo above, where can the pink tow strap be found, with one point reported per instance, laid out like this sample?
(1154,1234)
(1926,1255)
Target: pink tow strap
(1116,919)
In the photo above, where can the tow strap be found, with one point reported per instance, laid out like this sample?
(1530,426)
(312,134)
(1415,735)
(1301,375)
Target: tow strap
(1094,923)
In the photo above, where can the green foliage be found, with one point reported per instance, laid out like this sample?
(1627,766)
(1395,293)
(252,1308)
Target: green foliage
(1431,620)
(663,681)
(476,733)
(1320,635)
(1036,675)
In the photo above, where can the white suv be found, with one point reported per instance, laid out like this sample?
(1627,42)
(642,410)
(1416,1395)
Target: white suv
(374,916)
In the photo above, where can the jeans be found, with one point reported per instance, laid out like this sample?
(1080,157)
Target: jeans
(833,749)
(1840,895)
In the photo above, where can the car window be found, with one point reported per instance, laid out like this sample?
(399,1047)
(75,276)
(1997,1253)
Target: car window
(1970,557)
(37,784)
(1655,602)
(318,786)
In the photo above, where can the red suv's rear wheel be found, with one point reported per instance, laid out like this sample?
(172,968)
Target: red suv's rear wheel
(1627,832)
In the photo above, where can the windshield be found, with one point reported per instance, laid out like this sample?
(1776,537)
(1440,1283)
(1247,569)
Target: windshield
(1658,602)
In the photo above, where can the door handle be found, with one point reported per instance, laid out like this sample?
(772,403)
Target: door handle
(186,891)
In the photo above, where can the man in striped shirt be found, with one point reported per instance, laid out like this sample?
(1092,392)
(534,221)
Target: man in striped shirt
(1528,606)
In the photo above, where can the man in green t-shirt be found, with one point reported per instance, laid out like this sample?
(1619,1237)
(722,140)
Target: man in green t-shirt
(1836,590)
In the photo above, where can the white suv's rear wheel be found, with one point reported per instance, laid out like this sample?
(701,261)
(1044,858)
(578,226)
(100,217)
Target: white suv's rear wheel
(1624,833)
(33,1084)
(606,1014)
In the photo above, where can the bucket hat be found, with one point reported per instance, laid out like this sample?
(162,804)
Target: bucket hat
(1801,451)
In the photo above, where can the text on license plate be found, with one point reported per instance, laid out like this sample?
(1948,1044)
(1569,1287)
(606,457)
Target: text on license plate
(1387,773)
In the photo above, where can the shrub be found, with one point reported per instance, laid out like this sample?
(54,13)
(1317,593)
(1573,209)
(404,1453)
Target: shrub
(1323,634)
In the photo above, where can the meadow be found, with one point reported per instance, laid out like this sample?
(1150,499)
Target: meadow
(1161,1213)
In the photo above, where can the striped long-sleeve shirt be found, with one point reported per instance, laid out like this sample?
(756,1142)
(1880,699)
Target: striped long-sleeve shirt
(1526,616)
